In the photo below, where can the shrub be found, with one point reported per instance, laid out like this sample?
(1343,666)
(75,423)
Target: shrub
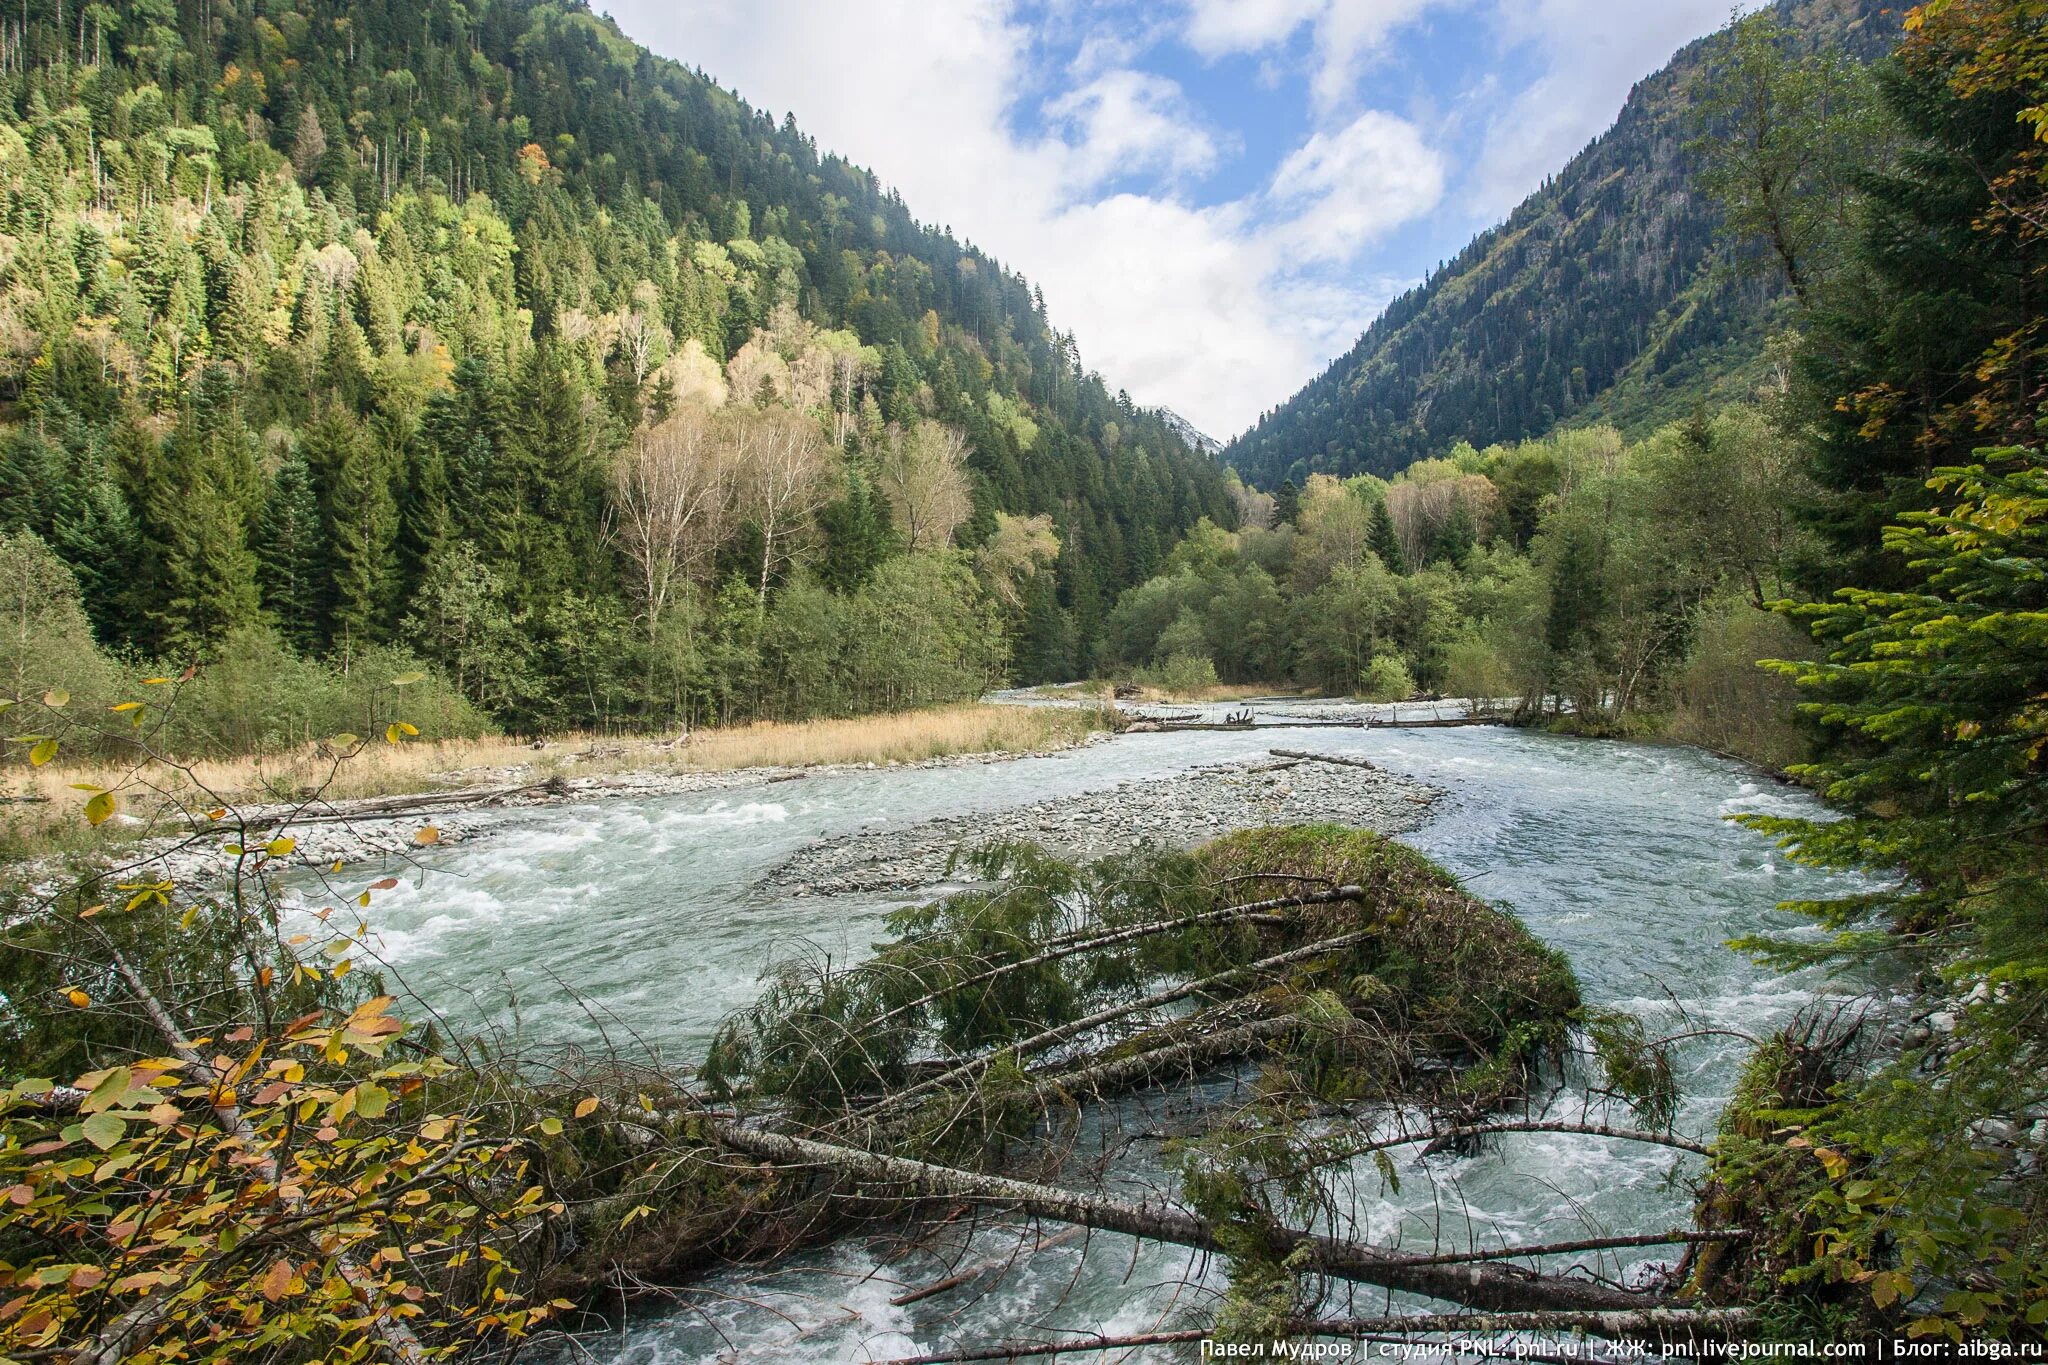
(1725,702)
(1181,673)
(1386,679)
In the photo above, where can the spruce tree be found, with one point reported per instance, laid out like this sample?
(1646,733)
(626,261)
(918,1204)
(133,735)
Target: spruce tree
(1382,540)
(360,522)
(291,552)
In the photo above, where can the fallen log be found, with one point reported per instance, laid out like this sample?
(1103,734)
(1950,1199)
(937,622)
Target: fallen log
(1433,723)
(1167,727)
(389,808)
(1483,1286)
(1071,945)
(1302,755)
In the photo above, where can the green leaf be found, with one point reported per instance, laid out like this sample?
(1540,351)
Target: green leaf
(372,1100)
(111,1090)
(104,1130)
(551,1126)
(56,697)
(99,808)
(43,752)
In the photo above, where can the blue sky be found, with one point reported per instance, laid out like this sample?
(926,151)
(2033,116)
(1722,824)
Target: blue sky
(1216,195)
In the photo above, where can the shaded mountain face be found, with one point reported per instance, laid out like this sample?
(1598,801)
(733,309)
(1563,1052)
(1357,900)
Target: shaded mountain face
(1605,296)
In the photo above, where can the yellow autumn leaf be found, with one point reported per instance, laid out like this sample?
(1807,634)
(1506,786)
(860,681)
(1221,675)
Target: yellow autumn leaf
(586,1107)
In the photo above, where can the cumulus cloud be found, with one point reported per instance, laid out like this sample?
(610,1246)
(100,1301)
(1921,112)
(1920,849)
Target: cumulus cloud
(1126,122)
(1344,188)
(1345,34)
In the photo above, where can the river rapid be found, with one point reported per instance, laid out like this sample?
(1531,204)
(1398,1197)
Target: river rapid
(641,923)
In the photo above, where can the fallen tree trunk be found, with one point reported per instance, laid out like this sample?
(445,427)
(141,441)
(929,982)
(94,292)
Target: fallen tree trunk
(1306,757)
(1487,1287)
(1168,727)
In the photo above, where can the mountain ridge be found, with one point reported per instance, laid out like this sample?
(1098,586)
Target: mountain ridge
(1604,295)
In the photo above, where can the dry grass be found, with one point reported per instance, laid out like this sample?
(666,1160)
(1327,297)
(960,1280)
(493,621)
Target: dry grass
(41,810)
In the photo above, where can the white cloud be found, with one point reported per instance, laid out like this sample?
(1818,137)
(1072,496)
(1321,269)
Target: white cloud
(1345,32)
(1342,189)
(1127,122)
(1217,27)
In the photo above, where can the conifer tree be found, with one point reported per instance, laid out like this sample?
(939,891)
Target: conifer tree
(1383,540)
(291,550)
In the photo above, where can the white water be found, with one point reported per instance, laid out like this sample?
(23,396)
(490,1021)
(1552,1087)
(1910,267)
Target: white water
(1619,855)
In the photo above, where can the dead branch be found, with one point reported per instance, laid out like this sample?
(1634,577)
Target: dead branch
(1480,1286)
(1450,1135)
(954,1281)
(1659,1324)
(1071,946)
(1038,1042)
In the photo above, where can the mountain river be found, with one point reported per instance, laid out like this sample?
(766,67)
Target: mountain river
(639,923)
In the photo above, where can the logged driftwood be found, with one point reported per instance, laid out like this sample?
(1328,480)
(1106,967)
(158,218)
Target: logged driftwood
(1483,1286)
(1168,727)
(1302,755)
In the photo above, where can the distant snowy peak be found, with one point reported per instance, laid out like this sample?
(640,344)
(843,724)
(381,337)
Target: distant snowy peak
(1196,438)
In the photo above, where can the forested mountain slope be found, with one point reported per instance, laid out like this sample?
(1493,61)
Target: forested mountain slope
(1604,296)
(336,319)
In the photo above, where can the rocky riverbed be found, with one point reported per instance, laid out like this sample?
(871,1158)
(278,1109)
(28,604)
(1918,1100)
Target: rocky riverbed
(1177,812)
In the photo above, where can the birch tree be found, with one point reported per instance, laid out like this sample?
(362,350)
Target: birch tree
(785,479)
(672,496)
(924,476)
